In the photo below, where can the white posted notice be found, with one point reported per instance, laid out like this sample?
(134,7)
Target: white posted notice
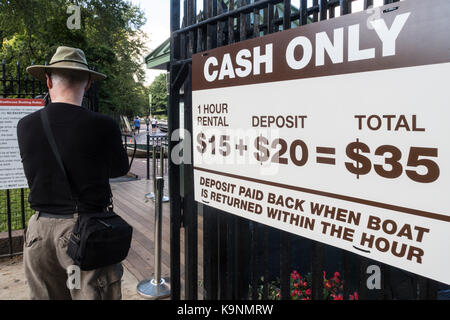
(336,131)
(11,169)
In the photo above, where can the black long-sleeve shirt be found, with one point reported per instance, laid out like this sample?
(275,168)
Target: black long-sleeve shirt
(91,148)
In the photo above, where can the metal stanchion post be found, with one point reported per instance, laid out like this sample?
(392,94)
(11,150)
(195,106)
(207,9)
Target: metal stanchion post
(161,160)
(161,168)
(154,145)
(157,287)
(151,195)
(148,153)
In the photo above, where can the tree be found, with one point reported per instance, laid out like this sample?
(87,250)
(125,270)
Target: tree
(110,36)
(158,90)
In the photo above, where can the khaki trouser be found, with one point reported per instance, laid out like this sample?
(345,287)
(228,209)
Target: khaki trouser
(50,271)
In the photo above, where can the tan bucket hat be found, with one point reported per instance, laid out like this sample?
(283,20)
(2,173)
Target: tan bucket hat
(68,59)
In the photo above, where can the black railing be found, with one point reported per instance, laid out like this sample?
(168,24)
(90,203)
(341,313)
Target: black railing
(241,257)
(19,85)
(138,146)
(14,214)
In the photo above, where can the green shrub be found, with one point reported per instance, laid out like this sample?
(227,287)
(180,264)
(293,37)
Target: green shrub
(16,209)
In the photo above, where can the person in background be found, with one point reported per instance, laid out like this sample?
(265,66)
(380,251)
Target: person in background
(154,123)
(137,124)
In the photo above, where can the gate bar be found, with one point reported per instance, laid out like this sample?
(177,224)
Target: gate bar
(8,205)
(229,14)
(210,214)
(174,168)
(189,205)
(317,268)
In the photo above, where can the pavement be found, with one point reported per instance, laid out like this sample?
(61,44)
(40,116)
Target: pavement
(13,285)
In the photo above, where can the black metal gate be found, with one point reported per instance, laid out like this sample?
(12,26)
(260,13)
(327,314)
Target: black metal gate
(241,258)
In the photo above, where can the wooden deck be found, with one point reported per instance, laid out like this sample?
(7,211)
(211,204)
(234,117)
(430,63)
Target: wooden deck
(130,203)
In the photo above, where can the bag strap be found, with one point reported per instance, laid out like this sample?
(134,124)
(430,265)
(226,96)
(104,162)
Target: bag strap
(52,142)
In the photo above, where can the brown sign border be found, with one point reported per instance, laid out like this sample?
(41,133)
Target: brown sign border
(424,40)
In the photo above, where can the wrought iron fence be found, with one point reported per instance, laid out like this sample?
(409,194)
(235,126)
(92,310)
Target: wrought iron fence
(241,259)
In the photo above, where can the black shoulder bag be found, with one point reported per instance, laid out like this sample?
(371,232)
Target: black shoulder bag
(97,239)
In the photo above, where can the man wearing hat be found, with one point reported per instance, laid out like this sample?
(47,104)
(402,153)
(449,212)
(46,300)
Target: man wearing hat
(91,149)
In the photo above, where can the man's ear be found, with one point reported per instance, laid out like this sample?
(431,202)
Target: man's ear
(49,81)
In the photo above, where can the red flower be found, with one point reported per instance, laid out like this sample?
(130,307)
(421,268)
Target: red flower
(336,275)
(308,292)
(328,285)
(338,297)
(354,296)
(324,274)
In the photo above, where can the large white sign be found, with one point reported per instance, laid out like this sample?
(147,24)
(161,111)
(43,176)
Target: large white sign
(351,152)
(11,169)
